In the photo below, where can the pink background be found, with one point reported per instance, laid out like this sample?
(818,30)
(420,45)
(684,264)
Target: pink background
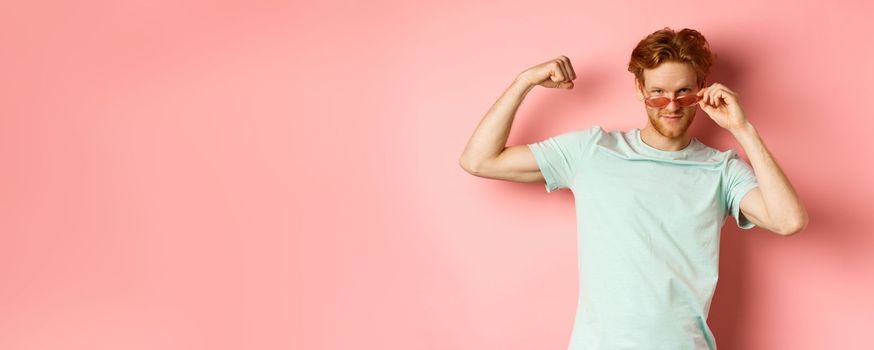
(275,175)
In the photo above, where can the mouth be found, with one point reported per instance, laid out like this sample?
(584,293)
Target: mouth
(672,118)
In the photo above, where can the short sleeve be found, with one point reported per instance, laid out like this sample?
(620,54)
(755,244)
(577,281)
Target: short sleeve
(738,180)
(559,156)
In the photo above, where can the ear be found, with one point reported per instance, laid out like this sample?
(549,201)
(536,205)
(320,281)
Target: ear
(638,89)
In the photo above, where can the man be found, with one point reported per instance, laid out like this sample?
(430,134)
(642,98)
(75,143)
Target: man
(650,203)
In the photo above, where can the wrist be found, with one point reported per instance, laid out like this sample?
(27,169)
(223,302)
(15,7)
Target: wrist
(743,131)
(522,83)
(522,80)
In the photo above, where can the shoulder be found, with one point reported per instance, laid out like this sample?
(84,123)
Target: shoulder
(594,130)
(731,164)
(726,157)
(583,135)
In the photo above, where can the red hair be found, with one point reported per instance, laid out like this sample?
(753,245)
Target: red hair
(667,45)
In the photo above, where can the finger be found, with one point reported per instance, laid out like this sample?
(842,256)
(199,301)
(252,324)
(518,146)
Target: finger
(727,90)
(567,83)
(714,97)
(703,101)
(703,92)
(563,69)
(730,98)
(569,68)
(557,74)
(722,88)
(726,95)
(733,94)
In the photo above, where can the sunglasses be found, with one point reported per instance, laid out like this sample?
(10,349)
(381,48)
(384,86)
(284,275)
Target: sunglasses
(662,101)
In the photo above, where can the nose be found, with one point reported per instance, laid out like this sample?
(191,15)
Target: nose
(672,106)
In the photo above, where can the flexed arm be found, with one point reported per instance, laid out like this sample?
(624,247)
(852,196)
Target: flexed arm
(773,205)
(486,153)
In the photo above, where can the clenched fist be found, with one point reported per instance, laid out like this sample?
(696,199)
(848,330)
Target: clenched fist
(556,73)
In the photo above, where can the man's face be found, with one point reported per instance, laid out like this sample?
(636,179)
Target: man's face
(670,79)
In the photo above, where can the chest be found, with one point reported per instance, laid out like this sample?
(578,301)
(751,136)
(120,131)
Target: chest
(688,192)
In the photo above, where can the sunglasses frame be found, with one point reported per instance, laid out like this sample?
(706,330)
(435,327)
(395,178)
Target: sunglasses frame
(648,100)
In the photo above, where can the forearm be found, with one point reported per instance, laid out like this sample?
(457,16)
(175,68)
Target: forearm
(782,203)
(490,137)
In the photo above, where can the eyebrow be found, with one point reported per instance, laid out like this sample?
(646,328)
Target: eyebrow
(684,87)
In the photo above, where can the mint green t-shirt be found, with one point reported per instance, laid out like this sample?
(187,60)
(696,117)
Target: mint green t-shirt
(648,228)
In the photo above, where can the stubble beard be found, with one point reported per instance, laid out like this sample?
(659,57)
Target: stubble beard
(666,130)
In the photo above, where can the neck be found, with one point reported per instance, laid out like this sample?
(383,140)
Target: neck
(658,141)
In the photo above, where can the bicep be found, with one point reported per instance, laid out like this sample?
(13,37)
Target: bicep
(515,163)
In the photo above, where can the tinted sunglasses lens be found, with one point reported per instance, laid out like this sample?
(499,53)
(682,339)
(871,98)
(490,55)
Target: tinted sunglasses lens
(687,100)
(658,102)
